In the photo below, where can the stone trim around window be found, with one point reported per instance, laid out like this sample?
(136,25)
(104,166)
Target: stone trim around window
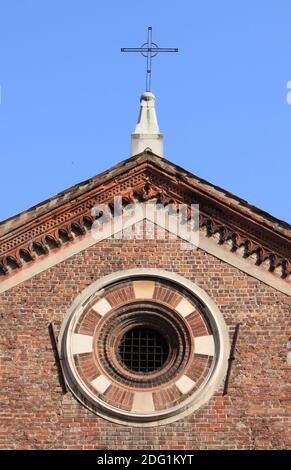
(183,313)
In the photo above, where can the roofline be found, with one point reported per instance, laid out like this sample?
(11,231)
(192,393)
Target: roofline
(164,164)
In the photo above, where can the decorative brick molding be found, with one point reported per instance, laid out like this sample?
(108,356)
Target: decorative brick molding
(36,414)
(185,316)
(242,229)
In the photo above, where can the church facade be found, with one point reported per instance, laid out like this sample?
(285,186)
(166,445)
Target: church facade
(142,341)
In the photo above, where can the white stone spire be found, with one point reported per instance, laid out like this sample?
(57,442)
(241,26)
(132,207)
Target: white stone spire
(147,133)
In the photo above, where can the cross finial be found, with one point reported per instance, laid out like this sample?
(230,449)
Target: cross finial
(149,50)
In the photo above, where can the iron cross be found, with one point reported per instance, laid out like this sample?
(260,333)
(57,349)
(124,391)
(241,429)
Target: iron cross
(149,50)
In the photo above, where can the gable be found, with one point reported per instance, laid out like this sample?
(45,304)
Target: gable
(230,228)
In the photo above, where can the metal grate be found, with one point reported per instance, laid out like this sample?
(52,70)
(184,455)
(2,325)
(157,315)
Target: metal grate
(143,350)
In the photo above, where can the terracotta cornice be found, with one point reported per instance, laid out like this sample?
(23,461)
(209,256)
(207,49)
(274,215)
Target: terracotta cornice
(232,221)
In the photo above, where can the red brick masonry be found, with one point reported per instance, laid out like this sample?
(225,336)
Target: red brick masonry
(36,414)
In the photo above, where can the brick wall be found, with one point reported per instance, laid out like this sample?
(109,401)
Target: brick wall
(36,414)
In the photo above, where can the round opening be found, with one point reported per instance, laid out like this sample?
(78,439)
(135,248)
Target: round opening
(143,350)
(142,344)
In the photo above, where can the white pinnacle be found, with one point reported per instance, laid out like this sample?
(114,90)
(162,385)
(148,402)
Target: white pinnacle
(147,133)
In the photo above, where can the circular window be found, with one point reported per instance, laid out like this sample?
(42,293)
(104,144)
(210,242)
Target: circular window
(127,321)
(143,350)
(143,347)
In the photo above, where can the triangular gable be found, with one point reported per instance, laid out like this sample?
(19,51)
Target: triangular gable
(230,228)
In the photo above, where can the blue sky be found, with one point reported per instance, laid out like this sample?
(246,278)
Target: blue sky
(69,98)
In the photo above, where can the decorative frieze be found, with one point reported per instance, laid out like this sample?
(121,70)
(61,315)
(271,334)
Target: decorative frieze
(62,224)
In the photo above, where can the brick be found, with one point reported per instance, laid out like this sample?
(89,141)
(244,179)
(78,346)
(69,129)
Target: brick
(36,414)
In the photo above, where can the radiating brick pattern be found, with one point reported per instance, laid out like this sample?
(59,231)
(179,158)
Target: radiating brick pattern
(167,395)
(199,368)
(120,295)
(166,295)
(86,366)
(87,323)
(119,397)
(35,414)
(198,324)
(163,396)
